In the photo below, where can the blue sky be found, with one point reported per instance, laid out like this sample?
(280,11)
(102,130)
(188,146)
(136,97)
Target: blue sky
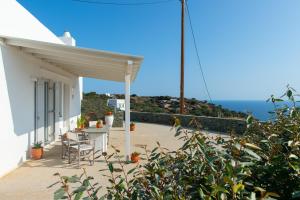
(249,49)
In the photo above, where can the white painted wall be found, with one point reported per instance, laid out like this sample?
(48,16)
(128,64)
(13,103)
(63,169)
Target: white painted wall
(17,72)
(75,103)
(16,21)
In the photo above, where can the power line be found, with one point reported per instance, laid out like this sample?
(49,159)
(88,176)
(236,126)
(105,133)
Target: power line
(125,3)
(197,52)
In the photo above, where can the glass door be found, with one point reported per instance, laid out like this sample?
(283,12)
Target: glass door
(44,113)
(50,93)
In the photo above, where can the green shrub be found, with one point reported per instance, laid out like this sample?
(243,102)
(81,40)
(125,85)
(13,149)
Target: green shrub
(262,164)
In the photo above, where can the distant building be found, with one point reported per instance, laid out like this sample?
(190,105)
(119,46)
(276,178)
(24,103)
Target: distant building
(174,100)
(119,104)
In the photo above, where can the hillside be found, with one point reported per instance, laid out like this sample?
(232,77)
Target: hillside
(93,102)
(169,104)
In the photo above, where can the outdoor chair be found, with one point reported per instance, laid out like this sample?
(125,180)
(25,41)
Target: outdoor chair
(79,149)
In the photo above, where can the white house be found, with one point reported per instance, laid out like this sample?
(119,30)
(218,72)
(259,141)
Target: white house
(41,82)
(119,104)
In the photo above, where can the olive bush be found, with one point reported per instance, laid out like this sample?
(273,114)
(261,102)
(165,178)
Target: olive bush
(261,164)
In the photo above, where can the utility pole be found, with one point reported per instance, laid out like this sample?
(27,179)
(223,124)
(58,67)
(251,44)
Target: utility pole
(182,58)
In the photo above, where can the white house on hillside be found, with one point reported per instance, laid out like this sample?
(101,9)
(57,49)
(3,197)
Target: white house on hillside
(41,82)
(118,104)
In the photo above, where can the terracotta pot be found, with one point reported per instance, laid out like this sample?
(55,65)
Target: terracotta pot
(37,153)
(108,113)
(82,126)
(135,158)
(132,127)
(99,125)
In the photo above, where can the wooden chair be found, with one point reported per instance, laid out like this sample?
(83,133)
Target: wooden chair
(79,148)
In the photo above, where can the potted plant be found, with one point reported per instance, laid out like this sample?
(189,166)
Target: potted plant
(135,157)
(81,122)
(37,151)
(109,118)
(132,126)
(99,124)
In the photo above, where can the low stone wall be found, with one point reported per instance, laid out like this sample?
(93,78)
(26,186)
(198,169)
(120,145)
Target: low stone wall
(225,125)
(118,119)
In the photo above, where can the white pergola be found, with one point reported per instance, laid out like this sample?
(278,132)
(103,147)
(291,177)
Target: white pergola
(85,62)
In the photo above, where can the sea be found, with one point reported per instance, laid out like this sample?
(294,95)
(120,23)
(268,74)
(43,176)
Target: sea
(259,109)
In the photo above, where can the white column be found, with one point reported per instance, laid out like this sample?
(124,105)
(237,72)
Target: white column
(127,111)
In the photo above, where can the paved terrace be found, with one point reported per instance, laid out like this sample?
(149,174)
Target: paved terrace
(30,181)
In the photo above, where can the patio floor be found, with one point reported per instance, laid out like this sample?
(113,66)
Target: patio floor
(30,181)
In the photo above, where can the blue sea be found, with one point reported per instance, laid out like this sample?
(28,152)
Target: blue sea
(259,109)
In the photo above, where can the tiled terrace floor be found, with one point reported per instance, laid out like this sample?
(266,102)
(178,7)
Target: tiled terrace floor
(30,181)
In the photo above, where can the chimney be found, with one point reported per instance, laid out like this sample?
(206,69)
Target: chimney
(68,39)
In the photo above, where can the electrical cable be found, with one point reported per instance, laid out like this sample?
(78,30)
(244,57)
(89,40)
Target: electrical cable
(197,52)
(124,3)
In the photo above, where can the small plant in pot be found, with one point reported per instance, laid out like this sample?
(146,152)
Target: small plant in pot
(109,118)
(81,122)
(135,157)
(99,124)
(108,113)
(37,151)
(132,126)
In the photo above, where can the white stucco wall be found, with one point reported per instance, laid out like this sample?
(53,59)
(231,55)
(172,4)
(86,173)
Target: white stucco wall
(75,105)
(17,72)
(16,21)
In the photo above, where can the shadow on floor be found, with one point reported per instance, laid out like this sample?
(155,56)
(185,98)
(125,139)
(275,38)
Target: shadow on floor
(52,158)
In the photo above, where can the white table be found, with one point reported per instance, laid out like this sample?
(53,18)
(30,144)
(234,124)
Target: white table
(99,135)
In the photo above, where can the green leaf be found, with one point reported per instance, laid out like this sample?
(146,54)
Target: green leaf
(278,100)
(236,188)
(59,194)
(73,179)
(253,146)
(296,194)
(272,194)
(253,196)
(118,170)
(228,180)
(131,171)
(78,196)
(110,167)
(289,93)
(80,189)
(219,188)
(259,189)
(249,119)
(252,153)
(293,156)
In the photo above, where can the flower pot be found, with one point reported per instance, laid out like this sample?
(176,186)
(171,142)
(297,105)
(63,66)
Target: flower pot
(82,126)
(109,119)
(108,113)
(99,124)
(37,153)
(132,127)
(135,158)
